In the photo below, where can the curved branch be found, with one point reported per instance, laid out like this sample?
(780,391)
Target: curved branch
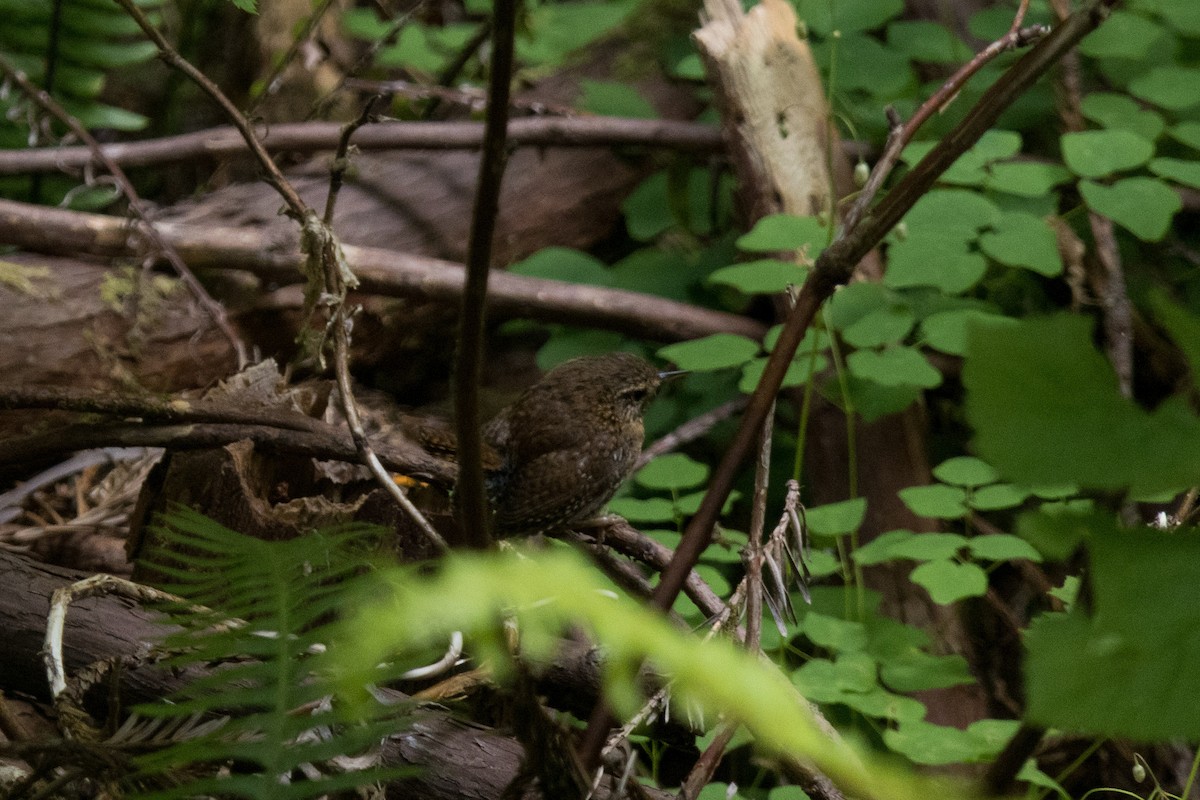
(383,272)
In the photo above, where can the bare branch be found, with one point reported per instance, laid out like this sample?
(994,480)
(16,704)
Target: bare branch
(382,272)
(307,137)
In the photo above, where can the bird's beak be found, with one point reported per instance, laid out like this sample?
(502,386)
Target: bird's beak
(672,374)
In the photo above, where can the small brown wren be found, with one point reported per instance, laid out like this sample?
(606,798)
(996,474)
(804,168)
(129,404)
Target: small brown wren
(569,441)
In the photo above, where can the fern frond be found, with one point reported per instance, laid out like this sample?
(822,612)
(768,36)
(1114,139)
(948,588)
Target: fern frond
(257,614)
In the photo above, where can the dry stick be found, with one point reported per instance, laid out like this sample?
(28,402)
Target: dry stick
(382,272)
(225,141)
(327,250)
(837,262)
(471,491)
(337,445)
(151,407)
(52,107)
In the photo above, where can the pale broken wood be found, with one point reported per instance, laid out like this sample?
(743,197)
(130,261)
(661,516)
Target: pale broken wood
(775,117)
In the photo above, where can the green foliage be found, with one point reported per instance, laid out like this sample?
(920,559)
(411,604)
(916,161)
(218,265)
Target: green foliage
(270,606)
(1034,432)
(1127,667)
(547,592)
(93,40)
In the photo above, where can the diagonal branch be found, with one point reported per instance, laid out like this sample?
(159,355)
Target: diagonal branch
(837,263)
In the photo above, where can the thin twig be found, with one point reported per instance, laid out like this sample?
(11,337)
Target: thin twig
(283,63)
(471,492)
(900,134)
(52,107)
(336,278)
(296,208)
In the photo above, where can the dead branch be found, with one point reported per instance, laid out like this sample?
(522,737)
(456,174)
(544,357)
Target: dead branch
(309,137)
(332,445)
(383,272)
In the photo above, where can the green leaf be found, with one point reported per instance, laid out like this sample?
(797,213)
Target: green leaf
(929,547)
(785,232)
(425,48)
(852,302)
(926,259)
(567,343)
(874,400)
(563,264)
(1120,112)
(837,519)
(863,63)
(834,633)
(1023,240)
(965,471)
(1034,432)
(826,16)
(894,366)
(1187,132)
(1142,205)
(947,330)
(879,549)
(1123,35)
(765,276)
(948,582)
(1183,327)
(1002,547)
(884,704)
(552,31)
(1095,154)
(612,99)
(922,40)
(1026,178)
(717,351)
(1131,669)
(1170,87)
(971,168)
(926,743)
(937,500)
(997,496)
(648,210)
(798,372)
(1178,170)
(672,471)
(954,214)
(652,509)
(882,326)
(917,671)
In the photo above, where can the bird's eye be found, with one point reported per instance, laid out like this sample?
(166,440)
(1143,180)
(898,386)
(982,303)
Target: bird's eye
(635,395)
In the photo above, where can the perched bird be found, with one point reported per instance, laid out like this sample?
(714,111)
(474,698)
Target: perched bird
(569,441)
